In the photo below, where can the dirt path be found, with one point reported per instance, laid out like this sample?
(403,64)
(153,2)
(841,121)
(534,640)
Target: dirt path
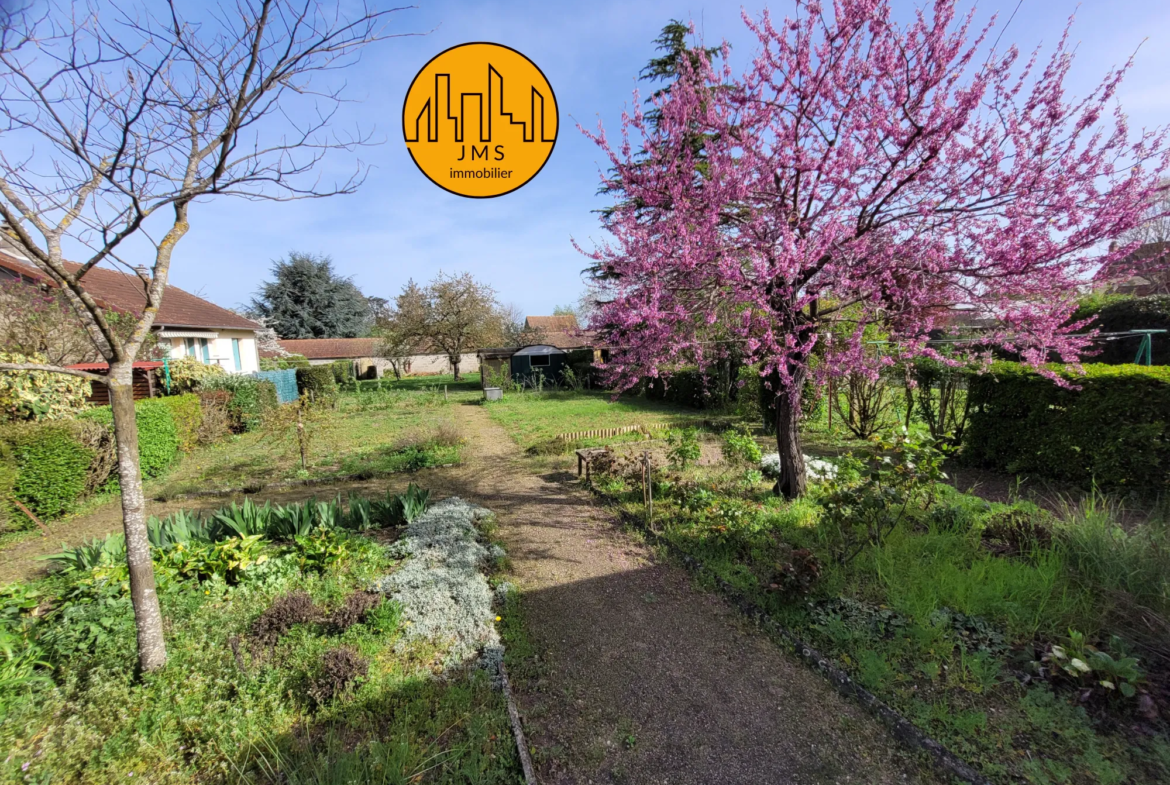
(639,677)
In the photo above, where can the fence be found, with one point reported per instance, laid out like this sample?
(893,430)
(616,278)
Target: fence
(285,381)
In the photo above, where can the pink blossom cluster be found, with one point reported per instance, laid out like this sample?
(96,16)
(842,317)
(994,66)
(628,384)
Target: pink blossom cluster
(862,169)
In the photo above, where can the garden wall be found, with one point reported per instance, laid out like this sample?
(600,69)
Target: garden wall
(1113,429)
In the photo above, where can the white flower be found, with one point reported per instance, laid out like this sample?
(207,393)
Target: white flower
(1080,665)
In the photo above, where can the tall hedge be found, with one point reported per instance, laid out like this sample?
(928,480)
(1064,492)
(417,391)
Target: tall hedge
(51,465)
(8,511)
(1114,430)
(187,413)
(1117,314)
(158,436)
(317,381)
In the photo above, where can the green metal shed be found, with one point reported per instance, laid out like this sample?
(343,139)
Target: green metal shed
(541,359)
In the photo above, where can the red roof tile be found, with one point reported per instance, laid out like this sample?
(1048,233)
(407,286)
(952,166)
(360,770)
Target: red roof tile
(331,348)
(125,292)
(556,324)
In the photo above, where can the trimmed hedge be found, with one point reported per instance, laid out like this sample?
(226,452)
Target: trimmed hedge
(158,436)
(318,382)
(52,465)
(342,371)
(284,363)
(1114,430)
(1121,314)
(187,413)
(250,400)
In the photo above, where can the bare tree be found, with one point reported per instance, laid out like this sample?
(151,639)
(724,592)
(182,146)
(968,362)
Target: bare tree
(115,120)
(1156,228)
(453,313)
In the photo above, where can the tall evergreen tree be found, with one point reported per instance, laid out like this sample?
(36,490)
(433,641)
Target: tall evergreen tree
(308,299)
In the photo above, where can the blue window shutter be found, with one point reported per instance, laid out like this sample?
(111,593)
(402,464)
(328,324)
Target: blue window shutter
(236,354)
(190,342)
(206,353)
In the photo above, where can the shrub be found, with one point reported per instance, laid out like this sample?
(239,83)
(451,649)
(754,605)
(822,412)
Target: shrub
(342,371)
(318,382)
(1114,430)
(188,374)
(39,395)
(158,438)
(686,387)
(216,421)
(8,512)
(250,399)
(52,465)
(187,413)
(739,446)
(684,448)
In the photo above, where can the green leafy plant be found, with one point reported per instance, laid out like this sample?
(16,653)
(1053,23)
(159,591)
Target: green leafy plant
(897,479)
(228,559)
(740,446)
(1086,664)
(188,374)
(683,447)
(322,549)
(38,395)
(414,502)
(52,462)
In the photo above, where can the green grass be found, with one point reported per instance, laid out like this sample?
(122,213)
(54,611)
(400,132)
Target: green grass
(367,433)
(470,382)
(228,709)
(533,419)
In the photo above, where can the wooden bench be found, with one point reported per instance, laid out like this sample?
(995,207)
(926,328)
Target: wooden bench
(585,456)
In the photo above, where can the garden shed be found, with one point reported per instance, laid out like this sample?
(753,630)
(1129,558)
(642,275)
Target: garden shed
(541,358)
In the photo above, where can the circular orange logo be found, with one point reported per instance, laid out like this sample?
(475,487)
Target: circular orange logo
(480,120)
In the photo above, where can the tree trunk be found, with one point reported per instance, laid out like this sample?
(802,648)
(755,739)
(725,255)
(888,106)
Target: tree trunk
(152,650)
(793,481)
(455,366)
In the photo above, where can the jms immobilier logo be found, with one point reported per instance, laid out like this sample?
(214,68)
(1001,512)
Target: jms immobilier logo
(480,120)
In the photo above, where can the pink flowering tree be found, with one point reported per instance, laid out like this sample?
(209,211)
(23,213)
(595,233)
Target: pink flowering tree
(891,174)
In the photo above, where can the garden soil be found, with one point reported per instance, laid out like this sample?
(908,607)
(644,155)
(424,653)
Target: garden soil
(637,676)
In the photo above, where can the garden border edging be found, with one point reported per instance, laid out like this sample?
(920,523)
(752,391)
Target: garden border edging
(902,729)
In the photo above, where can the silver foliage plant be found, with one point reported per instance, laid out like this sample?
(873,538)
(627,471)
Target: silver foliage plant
(444,595)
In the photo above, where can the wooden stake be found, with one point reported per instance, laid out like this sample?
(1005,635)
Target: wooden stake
(33,518)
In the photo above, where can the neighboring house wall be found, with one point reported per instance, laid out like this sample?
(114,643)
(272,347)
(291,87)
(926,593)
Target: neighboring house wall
(222,350)
(426,364)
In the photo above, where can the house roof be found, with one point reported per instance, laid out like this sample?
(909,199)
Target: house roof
(331,348)
(555,324)
(124,292)
(1147,267)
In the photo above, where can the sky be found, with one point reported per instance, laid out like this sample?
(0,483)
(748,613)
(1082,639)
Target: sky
(400,226)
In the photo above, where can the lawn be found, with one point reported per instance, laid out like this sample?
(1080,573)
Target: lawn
(367,433)
(534,419)
(963,614)
(470,382)
(293,658)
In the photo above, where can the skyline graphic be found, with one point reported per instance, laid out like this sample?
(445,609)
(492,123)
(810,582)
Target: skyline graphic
(434,111)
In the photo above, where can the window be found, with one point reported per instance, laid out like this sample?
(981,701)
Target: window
(236,354)
(540,360)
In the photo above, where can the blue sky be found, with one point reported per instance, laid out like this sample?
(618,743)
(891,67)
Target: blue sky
(400,225)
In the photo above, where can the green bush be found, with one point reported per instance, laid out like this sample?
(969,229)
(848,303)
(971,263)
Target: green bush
(318,382)
(38,395)
(1114,430)
(250,400)
(1116,313)
(187,413)
(158,436)
(52,464)
(686,387)
(187,374)
(342,371)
